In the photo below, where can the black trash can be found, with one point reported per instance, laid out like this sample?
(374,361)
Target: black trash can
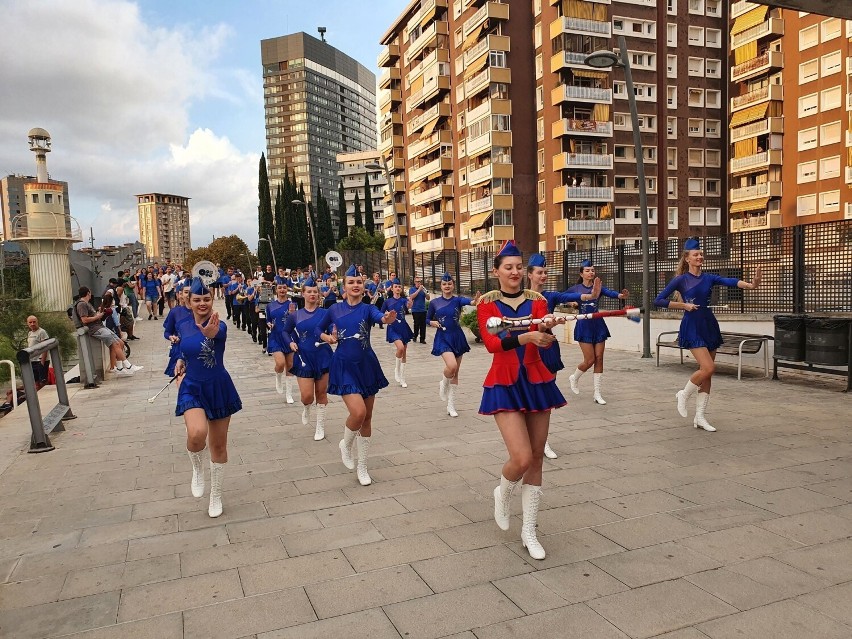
(790,337)
(827,341)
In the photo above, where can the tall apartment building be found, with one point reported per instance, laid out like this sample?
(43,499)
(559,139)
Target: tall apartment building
(13,203)
(353,168)
(318,102)
(164,226)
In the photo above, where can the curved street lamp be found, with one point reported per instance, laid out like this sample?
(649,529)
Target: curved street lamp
(606,60)
(313,234)
(271,250)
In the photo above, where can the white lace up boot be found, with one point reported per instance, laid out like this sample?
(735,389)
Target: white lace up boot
(451,402)
(443,388)
(306,414)
(530,498)
(279,383)
(197,484)
(598,377)
(288,387)
(216,473)
(402,375)
(700,407)
(684,395)
(549,452)
(502,500)
(319,434)
(396,369)
(346,448)
(573,379)
(363,448)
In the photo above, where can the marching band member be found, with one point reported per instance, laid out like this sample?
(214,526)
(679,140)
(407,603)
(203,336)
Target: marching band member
(450,343)
(279,346)
(171,331)
(699,329)
(591,334)
(207,397)
(419,297)
(519,390)
(310,362)
(399,333)
(355,373)
(238,290)
(537,274)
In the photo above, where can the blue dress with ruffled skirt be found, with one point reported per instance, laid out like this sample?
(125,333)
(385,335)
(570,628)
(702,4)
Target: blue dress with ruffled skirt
(276,314)
(302,328)
(207,384)
(450,337)
(170,327)
(552,356)
(591,331)
(398,330)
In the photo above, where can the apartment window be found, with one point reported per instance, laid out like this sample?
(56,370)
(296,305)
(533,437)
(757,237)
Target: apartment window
(498,59)
(538,66)
(695,97)
(539,129)
(829,201)
(808,139)
(808,105)
(830,29)
(671,188)
(711,187)
(671,97)
(623,153)
(672,217)
(829,168)
(712,216)
(537,35)
(48,198)
(713,8)
(806,204)
(806,172)
(540,160)
(619,120)
(539,98)
(712,68)
(671,128)
(831,99)
(696,67)
(713,98)
(536,7)
(619,90)
(830,133)
(696,127)
(618,24)
(712,157)
(831,63)
(696,7)
(696,36)
(696,157)
(713,128)
(671,35)
(671,66)
(696,216)
(35,198)
(541,190)
(696,186)
(647,123)
(808,71)
(713,38)
(671,7)
(671,157)
(808,37)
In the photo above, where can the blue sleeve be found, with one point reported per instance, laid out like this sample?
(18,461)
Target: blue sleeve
(169,325)
(608,292)
(375,314)
(287,328)
(385,308)
(223,331)
(662,299)
(464,301)
(325,321)
(725,281)
(430,312)
(567,296)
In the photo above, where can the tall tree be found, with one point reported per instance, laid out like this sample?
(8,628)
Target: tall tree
(359,222)
(280,225)
(369,223)
(307,251)
(230,250)
(342,228)
(292,238)
(265,224)
(325,233)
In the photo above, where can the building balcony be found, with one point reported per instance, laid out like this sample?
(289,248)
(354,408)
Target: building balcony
(757,162)
(388,56)
(499,201)
(581,26)
(761,64)
(426,38)
(770,220)
(488,11)
(482,79)
(491,234)
(479,145)
(444,136)
(582,161)
(772,28)
(741,7)
(763,94)
(553,3)
(583,227)
(389,97)
(440,110)
(489,107)
(431,87)
(583,194)
(438,55)
(428,8)
(571,93)
(433,220)
(489,171)
(433,168)
(391,231)
(572,127)
(565,59)
(47,226)
(767,189)
(430,195)
(761,127)
(390,142)
(489,43)
(440,244)
(388,75)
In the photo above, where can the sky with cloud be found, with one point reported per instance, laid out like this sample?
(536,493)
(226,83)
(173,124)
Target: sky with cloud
(157,96)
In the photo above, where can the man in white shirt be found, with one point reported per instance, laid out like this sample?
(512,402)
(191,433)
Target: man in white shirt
(35,336)
(168,281)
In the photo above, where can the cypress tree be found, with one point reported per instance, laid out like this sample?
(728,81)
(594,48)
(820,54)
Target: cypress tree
(265,224)
(280,226)
(325,233)
(359,222)
(369,223)
(342,228)
(306,252)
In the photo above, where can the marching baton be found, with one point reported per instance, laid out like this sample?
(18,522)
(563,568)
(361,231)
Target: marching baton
(495,325)
(151,399)
(355,336)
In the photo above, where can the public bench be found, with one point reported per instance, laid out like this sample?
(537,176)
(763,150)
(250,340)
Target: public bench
(732,344)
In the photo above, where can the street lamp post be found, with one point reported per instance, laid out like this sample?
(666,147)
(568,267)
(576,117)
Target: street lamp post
(374,166)
(311,227)
(248,258)
(271,250)
(606,59)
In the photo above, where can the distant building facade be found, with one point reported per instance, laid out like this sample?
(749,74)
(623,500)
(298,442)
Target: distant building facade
(12,200)
(164,225)
(352,171)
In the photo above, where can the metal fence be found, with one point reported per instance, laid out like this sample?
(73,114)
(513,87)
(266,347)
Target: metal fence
(806,269)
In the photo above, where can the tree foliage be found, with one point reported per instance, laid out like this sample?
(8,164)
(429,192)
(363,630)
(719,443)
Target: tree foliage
(224,251)
(293,233)
(325,231)
(369,223)
(343,228)
(359,222)
(280,225)
(265,222)
(359,240)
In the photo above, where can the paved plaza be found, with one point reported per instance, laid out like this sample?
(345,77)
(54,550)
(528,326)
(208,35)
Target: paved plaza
(652,528)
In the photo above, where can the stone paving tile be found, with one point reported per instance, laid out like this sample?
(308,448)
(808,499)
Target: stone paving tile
(272,527)
(59,618)
(128,530)
(418,522)
(781,620)
(20,594)
(648,530)
(568,622)
(313,541)
(62,561)
(811,528)
(477,535)
(567,548)
(822,560)
(304,503)
(654,501)
(792,501)
(36,544)
(175,543)
(367,624)
(565,518)
(392,552)
(363,511)
(198,518)
(655,563)
(739,544)
(165,627)
(841,489)
(579,581)
(736,589)
(90,581)
(463,569)
(832,602)
(683,633)
(529,594)
(197,562)
(289,573)
(724,514)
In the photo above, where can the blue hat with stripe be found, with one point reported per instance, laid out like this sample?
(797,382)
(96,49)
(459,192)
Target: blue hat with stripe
(537,260)
(691,244)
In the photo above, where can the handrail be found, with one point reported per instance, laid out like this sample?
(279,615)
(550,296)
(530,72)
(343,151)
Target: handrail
(14,382)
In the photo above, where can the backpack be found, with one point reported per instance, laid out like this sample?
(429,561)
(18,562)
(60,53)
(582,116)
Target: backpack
(74,316)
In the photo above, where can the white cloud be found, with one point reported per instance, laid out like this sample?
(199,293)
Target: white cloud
(116,95)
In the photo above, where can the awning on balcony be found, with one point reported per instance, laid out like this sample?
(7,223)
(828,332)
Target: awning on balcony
(473,37)
(476,65)
(427,130)
(478,220)
(746,52)
(415,186)
(600,113)
(417,84)
(594,75)
(757,204)
(751,114)
(751,19)
(428,15)
(390,243)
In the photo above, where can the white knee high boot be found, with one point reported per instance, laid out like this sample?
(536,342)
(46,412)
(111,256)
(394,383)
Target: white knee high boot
(598,378)
(197,484)
(573,379)
(288,386)
(682,397)
(396,369)
(346,448)
(451,402)
(319,433)
(401,379)
(502,501)
(531,497)
(363,448)
(279,383)
(306,414)
(216,473)
(443,388)
(700,407)
(549,452)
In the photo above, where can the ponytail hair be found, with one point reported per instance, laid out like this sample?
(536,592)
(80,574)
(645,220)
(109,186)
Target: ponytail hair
(682,267)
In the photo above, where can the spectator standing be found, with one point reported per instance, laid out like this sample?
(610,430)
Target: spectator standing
(168,282)
(93,320)
(418,296)
(35,336)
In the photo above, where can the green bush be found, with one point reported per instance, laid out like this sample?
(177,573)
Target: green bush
(13,332)
(470,320)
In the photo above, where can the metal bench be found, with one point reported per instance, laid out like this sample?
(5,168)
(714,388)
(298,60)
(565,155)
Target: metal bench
(732,344)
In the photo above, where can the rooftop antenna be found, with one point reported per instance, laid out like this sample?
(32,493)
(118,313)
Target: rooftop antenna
(321,31)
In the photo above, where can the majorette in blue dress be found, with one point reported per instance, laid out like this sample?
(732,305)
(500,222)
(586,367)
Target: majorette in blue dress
(302,328)
(591,331)
(170,327)
(355,369)
(276,313)
(449,338)
(698,328)
(552,356)
(207,384)
(398,330)
(518,379)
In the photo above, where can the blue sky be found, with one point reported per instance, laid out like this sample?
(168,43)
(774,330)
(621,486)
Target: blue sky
(157,95)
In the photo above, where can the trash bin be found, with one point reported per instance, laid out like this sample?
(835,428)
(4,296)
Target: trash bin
(827,341)
(790,337)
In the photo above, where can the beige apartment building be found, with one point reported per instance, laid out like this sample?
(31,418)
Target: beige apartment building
(164,226)
(353,168)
